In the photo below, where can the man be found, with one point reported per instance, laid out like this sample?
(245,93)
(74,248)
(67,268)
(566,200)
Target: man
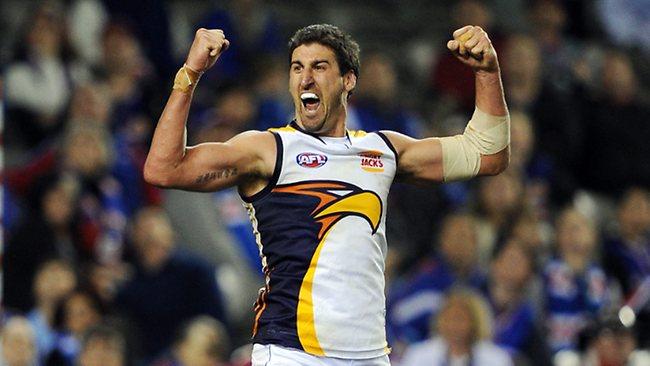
(316,193)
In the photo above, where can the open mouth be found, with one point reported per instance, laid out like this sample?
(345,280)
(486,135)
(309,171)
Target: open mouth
(310,101)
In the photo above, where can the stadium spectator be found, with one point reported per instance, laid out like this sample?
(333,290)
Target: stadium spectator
(102,345)
(127,75)
(412,303)
(54,280)
(549,20)
(376,104)
(464,328)
(75,314)
(253,30)
(202,341)
(168,288)
(48,231)
(18,343)
(616,133)
(500,202)
(612,344)
(274,104)
(575,286)
(627,254)
(39,81)
(448,78)
(516,326)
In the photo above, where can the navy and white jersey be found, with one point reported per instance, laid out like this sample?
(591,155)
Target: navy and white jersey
(320,227)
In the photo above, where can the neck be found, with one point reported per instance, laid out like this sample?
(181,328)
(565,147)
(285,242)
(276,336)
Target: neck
(577,263)
(458,349)
(47,309)
(334,125)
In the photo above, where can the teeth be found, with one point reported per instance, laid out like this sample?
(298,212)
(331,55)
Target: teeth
(305,96)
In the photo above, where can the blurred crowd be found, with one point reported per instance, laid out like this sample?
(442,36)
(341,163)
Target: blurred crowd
(547,263)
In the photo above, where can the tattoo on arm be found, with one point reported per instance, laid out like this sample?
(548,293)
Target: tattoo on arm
(220,174)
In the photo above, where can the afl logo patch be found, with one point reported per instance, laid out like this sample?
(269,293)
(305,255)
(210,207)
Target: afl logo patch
(311,160)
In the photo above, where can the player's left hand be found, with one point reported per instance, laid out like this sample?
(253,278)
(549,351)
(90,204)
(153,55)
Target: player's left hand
(472,47)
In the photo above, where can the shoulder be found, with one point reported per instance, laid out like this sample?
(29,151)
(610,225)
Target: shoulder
(398,141)
(487,353)
(254,136)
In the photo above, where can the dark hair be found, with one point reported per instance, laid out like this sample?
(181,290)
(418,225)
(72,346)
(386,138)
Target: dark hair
(344,47)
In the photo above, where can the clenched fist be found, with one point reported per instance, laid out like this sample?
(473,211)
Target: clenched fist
(472,47)
(207,46)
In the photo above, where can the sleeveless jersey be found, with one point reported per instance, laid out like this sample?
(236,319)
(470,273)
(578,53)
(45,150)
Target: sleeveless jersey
(320,227)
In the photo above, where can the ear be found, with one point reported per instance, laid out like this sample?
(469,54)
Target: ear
(349,81)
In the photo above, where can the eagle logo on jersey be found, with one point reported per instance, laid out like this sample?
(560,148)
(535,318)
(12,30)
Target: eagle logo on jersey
(336,200)
(311,160)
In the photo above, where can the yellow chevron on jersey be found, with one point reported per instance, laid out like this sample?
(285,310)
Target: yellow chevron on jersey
(320,226)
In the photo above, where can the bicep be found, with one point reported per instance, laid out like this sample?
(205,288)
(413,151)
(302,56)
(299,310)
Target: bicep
(218,165)
(419,160)
(422,160)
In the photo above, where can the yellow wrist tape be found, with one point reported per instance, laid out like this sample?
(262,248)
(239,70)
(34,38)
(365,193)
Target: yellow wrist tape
(484,135)
(186,79)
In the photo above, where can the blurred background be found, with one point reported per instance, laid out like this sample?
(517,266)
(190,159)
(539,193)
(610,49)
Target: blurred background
(547,263)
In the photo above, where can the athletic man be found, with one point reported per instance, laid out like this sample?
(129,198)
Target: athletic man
(316,192)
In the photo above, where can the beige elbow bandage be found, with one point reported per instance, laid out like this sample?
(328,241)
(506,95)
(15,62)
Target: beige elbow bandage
(484,135)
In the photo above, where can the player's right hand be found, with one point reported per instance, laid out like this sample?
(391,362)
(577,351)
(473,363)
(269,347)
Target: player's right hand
(207,46)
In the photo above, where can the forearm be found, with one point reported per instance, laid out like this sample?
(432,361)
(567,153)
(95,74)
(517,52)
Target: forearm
(483,148)
(489,93)
(169,140)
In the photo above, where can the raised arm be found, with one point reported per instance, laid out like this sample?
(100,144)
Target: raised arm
(483,149)
(246,158)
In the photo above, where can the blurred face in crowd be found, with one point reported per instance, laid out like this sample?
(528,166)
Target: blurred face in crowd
(527,231)
(619,79)
(510,272)
(80,313)
(521,63)
(200,347)
(18,343)
(101,351)
(458,241)
(634,213)
(90,103)
(614,347)
(548,16)
(53,282)
(122,53)
(234,113)
(46,32)
(87,151)
(500,195)
(456,323)
(273,78)
(472,12)
(576,236)
(58,203)
(318,89)
(153,237)
(381,78)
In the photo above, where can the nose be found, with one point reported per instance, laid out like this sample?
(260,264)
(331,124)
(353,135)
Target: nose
(307,79)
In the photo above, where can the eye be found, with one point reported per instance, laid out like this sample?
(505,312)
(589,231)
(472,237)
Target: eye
(320,67)
(296,68)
